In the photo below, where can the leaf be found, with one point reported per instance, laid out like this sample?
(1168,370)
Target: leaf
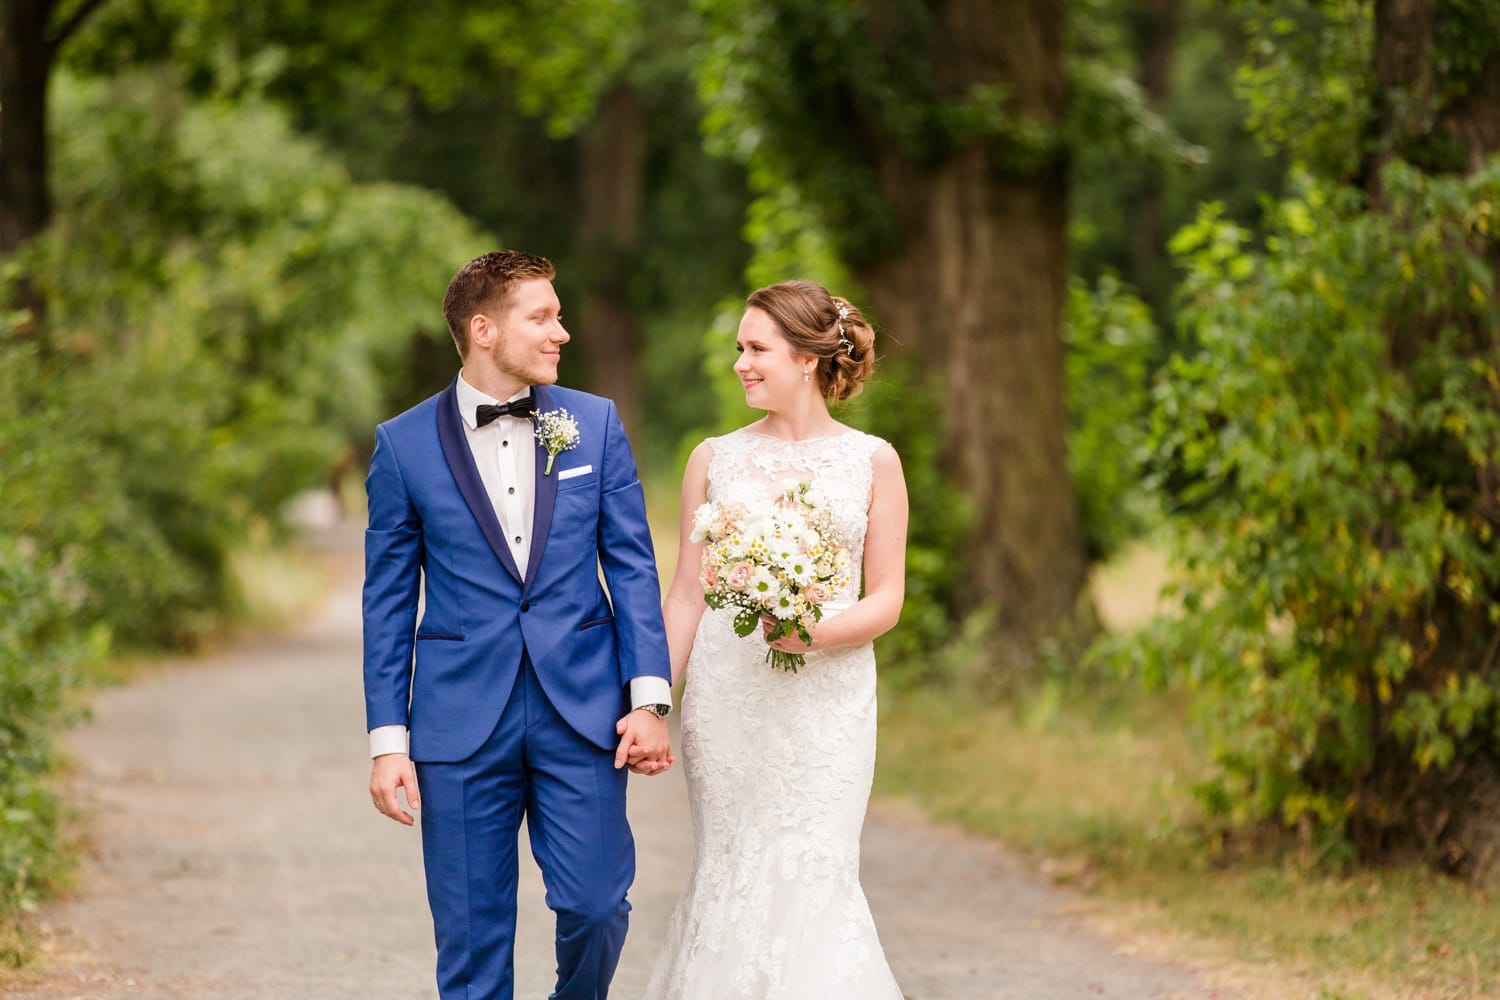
(745,622)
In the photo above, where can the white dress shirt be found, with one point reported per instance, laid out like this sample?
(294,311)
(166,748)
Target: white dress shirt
(504,452)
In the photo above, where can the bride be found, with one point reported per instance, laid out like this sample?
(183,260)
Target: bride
(779,764)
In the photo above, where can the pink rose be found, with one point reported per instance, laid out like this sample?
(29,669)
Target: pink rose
(710,577)
(739,575)
(817,593)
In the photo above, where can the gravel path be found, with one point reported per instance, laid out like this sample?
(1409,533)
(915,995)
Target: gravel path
(233,853)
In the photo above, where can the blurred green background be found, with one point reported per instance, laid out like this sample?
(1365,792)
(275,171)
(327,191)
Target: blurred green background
(1169,290)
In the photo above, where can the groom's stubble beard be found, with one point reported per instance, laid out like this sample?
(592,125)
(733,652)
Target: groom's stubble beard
(539,373)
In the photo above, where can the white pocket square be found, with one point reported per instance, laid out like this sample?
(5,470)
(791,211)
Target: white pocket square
(570,473)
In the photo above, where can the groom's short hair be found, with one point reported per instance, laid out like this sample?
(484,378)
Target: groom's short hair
(483,285)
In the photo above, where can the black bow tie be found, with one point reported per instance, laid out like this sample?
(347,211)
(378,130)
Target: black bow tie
(487,412)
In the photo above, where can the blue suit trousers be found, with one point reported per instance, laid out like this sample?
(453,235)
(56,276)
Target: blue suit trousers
(534,765)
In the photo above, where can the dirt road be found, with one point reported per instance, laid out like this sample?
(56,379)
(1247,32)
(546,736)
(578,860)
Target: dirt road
(233,853)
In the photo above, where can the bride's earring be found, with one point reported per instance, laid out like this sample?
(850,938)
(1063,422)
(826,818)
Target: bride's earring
(807,374)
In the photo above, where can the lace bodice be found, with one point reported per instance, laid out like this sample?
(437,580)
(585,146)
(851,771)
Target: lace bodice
(753,469)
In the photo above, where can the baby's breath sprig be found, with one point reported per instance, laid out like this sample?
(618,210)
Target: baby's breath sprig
(557,431)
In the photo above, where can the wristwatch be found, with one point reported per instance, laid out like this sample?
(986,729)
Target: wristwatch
(659,710)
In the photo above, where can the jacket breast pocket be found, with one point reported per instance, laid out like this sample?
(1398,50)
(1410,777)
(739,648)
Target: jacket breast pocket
(579,477)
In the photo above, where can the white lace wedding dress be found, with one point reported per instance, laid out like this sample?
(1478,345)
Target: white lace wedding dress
(778,768)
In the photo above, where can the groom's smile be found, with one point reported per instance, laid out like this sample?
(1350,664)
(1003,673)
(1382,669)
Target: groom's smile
(530,335)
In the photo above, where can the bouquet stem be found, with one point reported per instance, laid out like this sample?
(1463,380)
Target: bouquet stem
(782,660)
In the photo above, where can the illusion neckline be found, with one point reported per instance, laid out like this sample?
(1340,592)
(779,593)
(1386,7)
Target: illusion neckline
(846,432)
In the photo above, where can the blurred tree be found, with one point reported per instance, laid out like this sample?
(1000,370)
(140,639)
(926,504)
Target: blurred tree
(1182,54)
(560,126)
(230,293)
(1336,430)
(32,33)
(931,142)
(1156,29)
(926,136)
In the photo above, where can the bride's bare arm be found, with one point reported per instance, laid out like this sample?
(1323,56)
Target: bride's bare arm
(884,566)
(683,606)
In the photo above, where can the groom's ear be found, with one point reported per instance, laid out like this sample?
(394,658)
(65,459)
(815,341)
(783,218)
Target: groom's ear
(482,331)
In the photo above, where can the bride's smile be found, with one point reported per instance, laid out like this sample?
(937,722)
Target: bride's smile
(767,368)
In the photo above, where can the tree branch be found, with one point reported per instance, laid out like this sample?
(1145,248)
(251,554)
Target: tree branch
(81,13)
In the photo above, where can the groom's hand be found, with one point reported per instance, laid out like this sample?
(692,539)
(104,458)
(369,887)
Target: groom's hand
(390,772)
(645,743)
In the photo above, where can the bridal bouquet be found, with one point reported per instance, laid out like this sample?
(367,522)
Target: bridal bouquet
(781,564)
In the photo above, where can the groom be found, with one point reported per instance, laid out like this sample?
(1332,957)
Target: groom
(524,689)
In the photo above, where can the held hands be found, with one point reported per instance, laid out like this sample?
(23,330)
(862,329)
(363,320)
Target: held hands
(389,772)
(645,745)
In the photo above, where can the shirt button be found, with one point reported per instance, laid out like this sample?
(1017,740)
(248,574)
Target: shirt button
(511,490)
(505,444)
(518,539)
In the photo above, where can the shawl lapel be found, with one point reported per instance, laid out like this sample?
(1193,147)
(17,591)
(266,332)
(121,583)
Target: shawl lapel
(546,496)
(466,475)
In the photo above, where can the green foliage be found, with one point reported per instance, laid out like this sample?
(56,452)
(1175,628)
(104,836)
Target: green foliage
(1108,114)
(1132,185)
(1308,79)
(221,297)
(906,406)
(559,55)
(1110,339)
(39,649)
(1468,36)
(221,301)
(1334,443)
(755,85)
(1311,84)
(760,110)
(815,97)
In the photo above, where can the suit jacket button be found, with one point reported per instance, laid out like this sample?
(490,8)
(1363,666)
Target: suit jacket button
(525,605)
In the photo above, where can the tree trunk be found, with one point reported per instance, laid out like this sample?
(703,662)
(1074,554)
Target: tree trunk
(1417,120)
(29,43)
(978,287)
(1157,45)
(611,183)
(26,57)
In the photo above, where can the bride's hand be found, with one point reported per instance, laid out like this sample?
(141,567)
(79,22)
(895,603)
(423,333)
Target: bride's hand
(790,643)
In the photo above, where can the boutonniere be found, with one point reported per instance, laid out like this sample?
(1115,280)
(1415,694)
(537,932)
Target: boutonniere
(557,431)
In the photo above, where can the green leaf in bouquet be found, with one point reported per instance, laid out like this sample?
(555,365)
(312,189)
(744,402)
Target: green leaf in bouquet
(745,622)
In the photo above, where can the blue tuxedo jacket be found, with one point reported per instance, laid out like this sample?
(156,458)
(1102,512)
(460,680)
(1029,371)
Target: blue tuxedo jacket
(448,677)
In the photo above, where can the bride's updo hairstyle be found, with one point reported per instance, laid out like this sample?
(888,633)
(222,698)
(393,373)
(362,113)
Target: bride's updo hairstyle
(825,327)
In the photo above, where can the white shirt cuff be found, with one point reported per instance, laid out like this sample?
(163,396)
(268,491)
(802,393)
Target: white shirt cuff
(387,739)
(650,690)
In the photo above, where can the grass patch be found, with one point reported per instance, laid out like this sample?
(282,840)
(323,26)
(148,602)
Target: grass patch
(1093,779)
(278,584)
